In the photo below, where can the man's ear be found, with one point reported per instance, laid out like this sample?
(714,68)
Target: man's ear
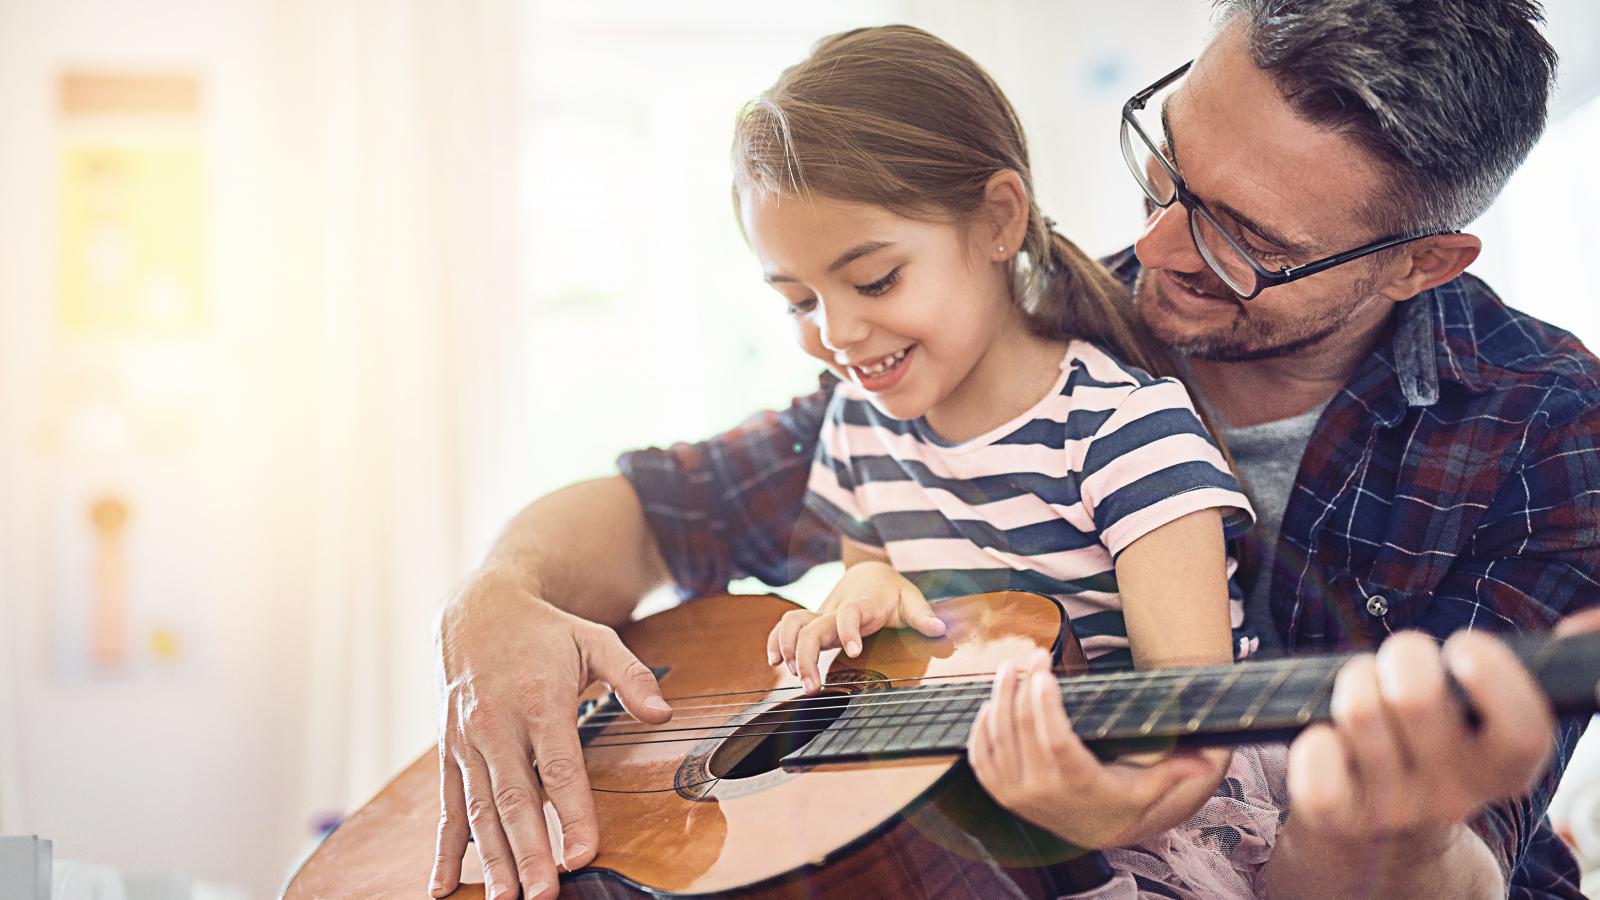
(1005,202)
(1430,262)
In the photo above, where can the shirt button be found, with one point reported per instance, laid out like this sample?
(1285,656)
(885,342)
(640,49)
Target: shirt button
(1377,605)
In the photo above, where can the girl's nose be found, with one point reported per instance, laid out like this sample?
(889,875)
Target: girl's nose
(841,325)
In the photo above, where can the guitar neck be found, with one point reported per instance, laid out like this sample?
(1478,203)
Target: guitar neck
(1244,703)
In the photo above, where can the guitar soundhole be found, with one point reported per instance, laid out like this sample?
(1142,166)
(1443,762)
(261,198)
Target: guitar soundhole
(760,745)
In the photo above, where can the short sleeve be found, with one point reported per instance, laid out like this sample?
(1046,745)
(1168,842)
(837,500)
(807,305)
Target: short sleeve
(1152,462)
(732,506)
(832,490)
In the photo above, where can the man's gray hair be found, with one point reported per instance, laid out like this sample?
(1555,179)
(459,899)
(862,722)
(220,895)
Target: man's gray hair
(1449,95)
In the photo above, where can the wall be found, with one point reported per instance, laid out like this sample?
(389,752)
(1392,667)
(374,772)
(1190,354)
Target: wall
(189,768)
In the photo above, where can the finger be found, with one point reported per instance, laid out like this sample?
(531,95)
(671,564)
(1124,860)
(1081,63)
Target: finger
(980,751)
(451,843)
(1418,707)
(773,656)
(849,620)
(1579,623)
(520,809)
(607,659)
(1516,728)
(559,760)
(1022,719)
(499,867)
(789,632)
(1002,724)
(1320,780)
(1359,716)
(917,612)
(1053,736)
(820,633)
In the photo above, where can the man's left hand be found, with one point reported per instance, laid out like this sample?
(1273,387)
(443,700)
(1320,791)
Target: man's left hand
(1388,786)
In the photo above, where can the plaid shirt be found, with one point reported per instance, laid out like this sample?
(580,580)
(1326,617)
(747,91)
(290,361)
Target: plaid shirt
(1453,483)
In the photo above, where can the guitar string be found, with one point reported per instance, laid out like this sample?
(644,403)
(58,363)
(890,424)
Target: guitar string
(1258,723)
(1119,674)
(1073,690)
(1082,683)
(1085,720)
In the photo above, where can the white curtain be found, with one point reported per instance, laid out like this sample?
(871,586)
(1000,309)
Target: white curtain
(400,192)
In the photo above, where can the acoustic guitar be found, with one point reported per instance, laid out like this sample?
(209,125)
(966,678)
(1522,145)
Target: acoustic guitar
(756,790)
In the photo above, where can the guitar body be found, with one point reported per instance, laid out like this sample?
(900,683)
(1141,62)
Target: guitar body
(710,811)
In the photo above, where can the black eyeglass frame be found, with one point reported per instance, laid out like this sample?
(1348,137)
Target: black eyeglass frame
(1265,277)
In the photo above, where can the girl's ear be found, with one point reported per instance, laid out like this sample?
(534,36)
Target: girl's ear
(1005,209)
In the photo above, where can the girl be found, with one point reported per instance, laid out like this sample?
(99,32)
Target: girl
(996,426)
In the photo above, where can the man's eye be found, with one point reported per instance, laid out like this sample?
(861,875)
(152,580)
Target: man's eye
(801,307)
(882,285)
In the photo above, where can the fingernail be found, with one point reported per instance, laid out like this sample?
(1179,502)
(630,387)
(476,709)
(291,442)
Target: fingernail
(575,854)
(772,659)
(853,648)
(436,888)
(536,889)
(657,704)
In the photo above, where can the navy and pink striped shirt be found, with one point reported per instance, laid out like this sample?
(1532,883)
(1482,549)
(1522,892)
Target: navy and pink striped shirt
(1043,502)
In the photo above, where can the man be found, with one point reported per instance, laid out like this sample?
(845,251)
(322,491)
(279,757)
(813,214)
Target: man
(1317,158)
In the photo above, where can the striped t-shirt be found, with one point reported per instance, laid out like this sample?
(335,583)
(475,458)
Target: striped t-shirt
(1042,503)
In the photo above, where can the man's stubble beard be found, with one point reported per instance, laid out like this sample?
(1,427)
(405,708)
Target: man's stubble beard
(1249,338)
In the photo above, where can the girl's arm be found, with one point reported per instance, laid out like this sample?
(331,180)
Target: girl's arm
(1174,587)
(1173,584)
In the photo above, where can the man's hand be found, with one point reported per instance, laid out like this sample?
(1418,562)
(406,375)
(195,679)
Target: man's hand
(1380,796)
(1025,754)
(511,669)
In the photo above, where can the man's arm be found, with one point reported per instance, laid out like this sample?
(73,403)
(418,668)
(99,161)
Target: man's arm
(585,549)
(530,629)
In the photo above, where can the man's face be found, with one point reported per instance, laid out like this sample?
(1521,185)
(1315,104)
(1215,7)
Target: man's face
(1289,191)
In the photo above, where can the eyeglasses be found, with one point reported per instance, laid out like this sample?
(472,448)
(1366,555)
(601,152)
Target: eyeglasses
(1226,256)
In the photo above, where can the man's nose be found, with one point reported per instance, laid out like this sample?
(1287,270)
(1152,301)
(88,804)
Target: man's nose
(1167,242)
(842,325)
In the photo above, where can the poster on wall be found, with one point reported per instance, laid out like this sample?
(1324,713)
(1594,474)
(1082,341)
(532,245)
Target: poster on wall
(130,299)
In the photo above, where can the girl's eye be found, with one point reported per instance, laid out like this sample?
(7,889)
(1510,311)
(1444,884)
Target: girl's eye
(802,307)
(882,285)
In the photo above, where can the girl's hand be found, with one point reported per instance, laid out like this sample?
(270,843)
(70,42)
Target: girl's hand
(1025,754)
(870,596)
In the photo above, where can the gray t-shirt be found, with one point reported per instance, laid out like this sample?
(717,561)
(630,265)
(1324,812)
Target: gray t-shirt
(1267,457)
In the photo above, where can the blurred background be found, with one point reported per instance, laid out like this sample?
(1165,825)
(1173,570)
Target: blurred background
(299,301)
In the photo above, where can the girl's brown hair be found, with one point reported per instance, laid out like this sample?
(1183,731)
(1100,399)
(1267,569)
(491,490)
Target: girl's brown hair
(895,117)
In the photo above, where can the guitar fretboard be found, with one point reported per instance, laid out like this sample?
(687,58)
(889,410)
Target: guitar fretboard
(1249,702)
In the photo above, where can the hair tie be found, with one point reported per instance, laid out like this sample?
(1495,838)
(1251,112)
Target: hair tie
(1049,224)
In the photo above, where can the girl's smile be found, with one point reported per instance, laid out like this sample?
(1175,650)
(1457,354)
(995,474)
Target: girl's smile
(881,375)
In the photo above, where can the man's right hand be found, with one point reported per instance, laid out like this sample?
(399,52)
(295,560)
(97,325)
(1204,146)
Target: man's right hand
(511,669)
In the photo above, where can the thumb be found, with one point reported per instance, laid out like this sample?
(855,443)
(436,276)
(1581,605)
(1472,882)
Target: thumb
(631,680)
(916,612)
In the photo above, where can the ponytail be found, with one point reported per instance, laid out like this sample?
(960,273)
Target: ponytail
(1073,296)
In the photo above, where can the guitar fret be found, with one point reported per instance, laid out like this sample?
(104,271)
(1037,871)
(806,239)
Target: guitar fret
(1317,700)
(1170,702)
(1249,717)
(1228,682)
(1108,724)
(828,740)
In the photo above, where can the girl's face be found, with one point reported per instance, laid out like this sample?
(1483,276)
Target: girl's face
(904,308)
